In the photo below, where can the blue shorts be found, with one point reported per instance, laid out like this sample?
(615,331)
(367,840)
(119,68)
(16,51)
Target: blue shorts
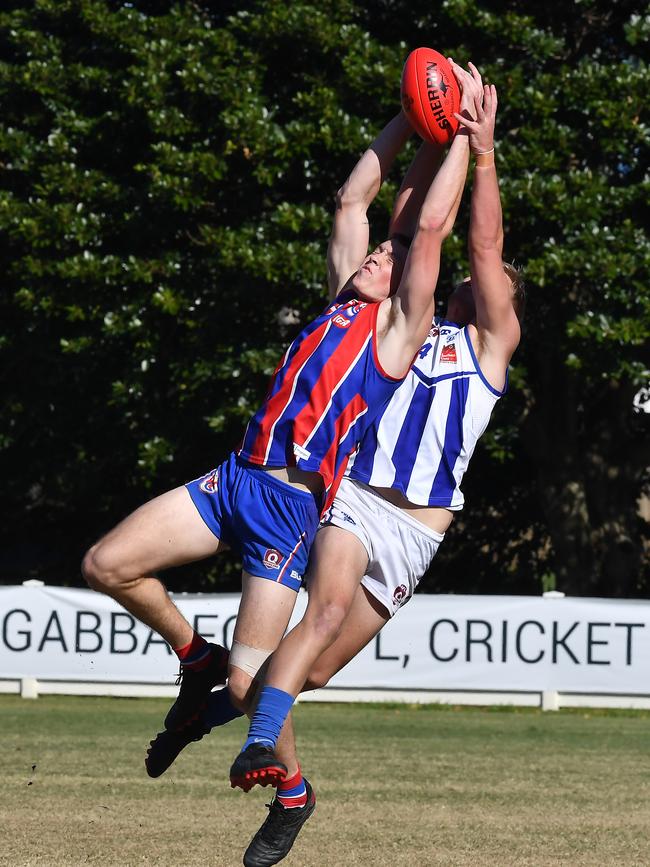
(271,524)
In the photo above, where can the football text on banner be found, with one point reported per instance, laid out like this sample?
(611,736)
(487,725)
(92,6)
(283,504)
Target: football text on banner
(447,642)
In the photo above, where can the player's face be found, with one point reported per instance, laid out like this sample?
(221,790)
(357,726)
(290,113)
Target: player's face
(379,274)
(460,303)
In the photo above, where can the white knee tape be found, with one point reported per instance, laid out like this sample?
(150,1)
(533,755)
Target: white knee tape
(249,659)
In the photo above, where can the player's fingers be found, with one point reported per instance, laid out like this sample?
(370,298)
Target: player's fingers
(458,70)
(490,100)
(468,122)
(487,100)
(494,101)
(478,105)
(462,71)
(475,74)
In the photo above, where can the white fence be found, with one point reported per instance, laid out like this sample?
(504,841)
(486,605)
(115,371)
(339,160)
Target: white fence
(547,651)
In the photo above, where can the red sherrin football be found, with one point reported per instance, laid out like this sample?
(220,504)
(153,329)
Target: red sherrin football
(430,95)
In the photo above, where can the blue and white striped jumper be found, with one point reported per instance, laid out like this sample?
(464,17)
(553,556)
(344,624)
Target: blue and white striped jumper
(422,442)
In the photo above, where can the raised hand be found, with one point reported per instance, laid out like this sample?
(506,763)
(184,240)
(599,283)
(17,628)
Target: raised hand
(471,89)
(479,117)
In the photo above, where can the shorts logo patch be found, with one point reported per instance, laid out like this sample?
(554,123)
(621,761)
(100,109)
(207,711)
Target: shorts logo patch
(272,558)
(449,353)
(399,594)
(301,452)
(209,483)
(296,575)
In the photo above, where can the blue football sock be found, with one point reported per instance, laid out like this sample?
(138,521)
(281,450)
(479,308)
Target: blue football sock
(272,710)
(220,709)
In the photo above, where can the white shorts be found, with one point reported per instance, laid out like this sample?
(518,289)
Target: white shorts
(400,548)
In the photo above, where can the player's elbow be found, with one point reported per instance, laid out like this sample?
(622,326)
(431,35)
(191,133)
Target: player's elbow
(429,236)
(433,223)
(351,197)
(480,243)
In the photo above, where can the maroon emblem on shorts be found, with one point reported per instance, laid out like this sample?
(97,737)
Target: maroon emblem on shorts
(272,558)
(208,484)
(399,594)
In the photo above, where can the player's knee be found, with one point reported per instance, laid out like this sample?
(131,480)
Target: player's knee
(89,569)
(241,688)
(326,621)
(101,572)
(317,678)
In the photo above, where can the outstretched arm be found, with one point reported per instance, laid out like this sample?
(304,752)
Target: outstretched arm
(414,298)
(496,320)
(409,199)
(416,182)
(348,243)
(411,308)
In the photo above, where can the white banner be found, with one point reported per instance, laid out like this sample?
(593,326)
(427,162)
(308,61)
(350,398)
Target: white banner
(501,643)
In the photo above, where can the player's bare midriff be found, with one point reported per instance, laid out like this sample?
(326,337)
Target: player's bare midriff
(434,517)
(304,481)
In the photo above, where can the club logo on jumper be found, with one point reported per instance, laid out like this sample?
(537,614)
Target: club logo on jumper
(272,558)
(341,321)
(356,308)
(400,594)
(436,86)
(448,354)
(209,483)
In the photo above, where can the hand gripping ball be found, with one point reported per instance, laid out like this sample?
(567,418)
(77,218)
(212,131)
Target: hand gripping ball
(430,95)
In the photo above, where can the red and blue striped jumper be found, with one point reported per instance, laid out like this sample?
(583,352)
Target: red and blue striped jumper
(324,395)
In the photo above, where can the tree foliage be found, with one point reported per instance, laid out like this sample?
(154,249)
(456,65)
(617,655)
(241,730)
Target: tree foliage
(165,201)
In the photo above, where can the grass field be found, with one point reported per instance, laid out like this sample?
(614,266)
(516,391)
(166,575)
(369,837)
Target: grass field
(395,786)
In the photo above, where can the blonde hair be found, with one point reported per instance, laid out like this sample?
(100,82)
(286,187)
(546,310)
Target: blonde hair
(516,277)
